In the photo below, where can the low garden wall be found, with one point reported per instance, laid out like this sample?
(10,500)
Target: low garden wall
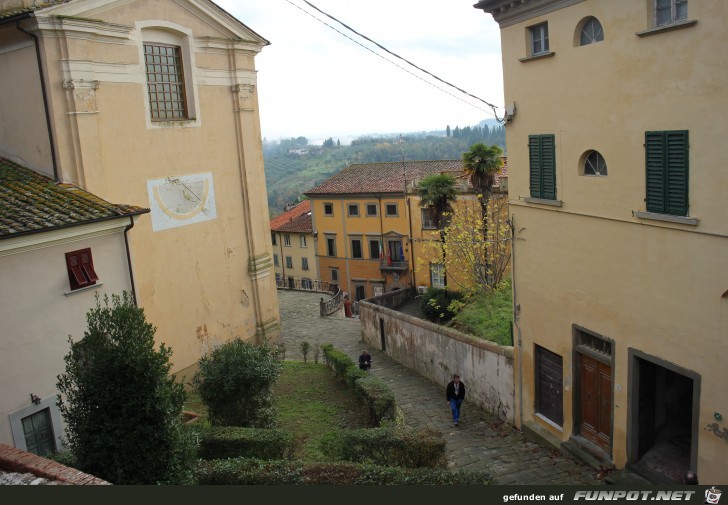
(437,352)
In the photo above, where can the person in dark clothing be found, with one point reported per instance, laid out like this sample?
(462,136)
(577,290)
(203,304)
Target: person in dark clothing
(455,394)
(690,477)
(365,360)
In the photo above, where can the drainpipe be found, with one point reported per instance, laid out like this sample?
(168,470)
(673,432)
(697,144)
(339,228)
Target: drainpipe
(516,312)
(128,258)
(51,140)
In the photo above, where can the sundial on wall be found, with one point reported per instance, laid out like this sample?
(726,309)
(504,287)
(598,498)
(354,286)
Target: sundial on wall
(181,200)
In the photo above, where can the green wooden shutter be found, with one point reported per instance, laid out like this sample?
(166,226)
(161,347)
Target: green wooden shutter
(548,167)
(542,156)
(534,155)
(666,167)
(654,169)
(677,172)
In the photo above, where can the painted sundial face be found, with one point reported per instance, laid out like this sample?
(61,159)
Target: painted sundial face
(181,200)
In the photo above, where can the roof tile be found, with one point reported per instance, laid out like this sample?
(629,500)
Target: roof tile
(33,202)
(296,220)
(383,177)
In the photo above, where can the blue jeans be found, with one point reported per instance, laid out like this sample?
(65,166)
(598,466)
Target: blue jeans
(455,407)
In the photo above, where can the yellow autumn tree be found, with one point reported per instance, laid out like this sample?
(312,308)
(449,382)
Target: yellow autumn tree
(475,249)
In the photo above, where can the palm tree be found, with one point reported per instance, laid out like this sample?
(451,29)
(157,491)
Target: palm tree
(481,164)
(437,192)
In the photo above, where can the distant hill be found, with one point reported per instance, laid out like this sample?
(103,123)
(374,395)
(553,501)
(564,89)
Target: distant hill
(292,166)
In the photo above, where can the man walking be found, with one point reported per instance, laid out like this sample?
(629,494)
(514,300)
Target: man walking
(455,394)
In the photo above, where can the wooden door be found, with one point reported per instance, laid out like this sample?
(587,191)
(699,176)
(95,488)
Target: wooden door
(596,401)
(550,385)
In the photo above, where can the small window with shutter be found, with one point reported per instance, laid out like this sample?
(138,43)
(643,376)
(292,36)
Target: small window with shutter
(80,266)
(666,167)
(542,161)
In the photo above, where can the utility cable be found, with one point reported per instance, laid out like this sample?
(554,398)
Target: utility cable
(493,107)
(492,111)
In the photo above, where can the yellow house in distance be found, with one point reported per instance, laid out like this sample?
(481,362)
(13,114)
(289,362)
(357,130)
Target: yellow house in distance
(616,142)
(294,252)
(371,232)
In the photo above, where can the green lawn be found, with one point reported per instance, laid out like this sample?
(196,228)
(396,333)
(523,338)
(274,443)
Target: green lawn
(488,316)
(310,402)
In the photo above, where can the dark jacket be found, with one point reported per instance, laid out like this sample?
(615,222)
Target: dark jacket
(365,361)
(450,391)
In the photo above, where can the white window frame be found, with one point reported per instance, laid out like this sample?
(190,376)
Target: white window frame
(539,33)
(304,263)
(437,275)
(354,207)
(287,240)
(289,262)
(302,241)
(16,422)
(428,223)
(674,13)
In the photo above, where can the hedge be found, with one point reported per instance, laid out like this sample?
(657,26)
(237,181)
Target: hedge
(234,441)
(390,446)
(242,471)
(372,392)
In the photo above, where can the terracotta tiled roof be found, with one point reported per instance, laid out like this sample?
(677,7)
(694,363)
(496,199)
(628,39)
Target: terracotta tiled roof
(296,220)
(383,177)
(30,202)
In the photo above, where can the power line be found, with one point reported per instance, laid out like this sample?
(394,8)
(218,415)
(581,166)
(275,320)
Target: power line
(492,107)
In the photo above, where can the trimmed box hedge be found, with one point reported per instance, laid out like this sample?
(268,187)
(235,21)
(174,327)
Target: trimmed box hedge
(372,392)
(391,446)
(242,471)
(234,442)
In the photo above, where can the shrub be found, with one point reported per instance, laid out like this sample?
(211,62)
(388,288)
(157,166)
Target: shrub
(234,442)
(256,472)
(373,392)
(378,398)
(305,349)
(235,382)
(397,446)
(440,305)
(121,407)
(337,360)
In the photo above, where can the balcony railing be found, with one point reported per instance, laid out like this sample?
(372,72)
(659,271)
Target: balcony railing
(394,266)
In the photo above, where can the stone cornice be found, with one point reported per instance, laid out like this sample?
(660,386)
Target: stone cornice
(510,12)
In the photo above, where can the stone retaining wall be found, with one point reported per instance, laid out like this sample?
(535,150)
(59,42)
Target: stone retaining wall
(21,462)
(437,352)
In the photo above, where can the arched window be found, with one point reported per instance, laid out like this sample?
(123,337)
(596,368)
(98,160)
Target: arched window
(591,32)
(594,164)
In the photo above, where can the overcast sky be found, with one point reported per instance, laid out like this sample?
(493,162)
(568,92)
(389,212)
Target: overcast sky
(314,82)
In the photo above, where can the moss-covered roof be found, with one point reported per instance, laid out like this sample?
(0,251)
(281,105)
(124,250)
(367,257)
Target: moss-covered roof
(31,202)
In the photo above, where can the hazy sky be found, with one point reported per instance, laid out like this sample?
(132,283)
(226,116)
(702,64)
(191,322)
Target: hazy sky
(314,82)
